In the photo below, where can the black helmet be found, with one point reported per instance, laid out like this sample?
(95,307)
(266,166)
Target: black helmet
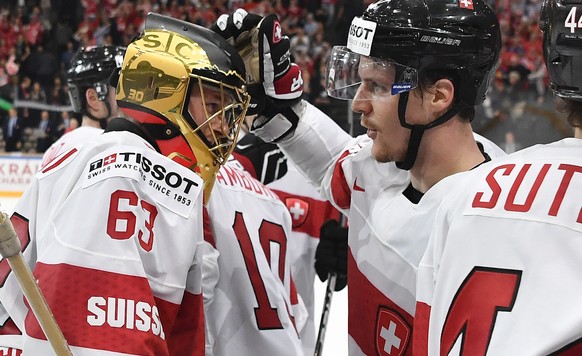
(434,34)
(411,41)
(562,43)
(91,68)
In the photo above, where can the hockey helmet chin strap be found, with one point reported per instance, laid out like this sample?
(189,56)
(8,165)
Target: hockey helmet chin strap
(416,131)
(112,82)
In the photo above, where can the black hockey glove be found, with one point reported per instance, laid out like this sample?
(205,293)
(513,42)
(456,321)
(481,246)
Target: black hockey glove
(275,84)
(267,160)
(331,255)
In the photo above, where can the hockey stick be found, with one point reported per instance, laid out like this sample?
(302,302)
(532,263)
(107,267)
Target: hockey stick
(10,250)
(331,279)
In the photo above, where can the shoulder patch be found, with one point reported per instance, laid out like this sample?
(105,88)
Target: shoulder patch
(392,332)
(299,210)
(59,162)
(164,181)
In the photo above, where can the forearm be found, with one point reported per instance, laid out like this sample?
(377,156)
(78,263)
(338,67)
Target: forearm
(316,143)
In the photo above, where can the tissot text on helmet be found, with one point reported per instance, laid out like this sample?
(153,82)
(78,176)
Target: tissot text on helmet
(361,35)
(359,32)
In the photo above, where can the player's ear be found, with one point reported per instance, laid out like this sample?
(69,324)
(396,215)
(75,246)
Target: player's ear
(91,98)
(444,94)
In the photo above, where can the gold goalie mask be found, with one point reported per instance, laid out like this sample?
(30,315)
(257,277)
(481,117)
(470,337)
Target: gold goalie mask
(185,85)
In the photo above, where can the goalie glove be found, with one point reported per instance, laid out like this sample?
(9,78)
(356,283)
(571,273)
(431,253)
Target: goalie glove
(272,80)
(331,255)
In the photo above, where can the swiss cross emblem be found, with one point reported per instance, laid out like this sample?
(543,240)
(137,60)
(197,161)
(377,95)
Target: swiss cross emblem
(392,333)
(277,32)
(466,4)
(110,159)
(298,209)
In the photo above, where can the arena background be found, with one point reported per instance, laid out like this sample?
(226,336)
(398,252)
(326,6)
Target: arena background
(39,37)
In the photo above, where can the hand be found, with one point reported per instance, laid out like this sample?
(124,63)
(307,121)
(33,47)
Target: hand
(263,160)
(272,79)
(331,255)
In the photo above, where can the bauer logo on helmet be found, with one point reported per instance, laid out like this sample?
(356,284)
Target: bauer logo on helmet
(441,40)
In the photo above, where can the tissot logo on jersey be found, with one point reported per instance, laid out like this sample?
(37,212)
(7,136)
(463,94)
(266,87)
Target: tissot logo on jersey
(135,161)
(124,313)
(103,162)
(165,182)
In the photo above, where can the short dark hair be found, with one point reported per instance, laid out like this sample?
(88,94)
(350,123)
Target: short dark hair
(572,109)
(428,78)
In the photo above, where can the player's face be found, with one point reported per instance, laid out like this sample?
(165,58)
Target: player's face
(100,107)
(379,111)
(201,107)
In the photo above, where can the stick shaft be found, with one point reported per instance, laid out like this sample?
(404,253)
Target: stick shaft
(331,280)
(39,305)
(10,249)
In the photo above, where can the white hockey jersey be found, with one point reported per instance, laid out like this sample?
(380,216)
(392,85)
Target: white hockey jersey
(253,310)
(10,336)
(387,234)
(501,275)
(112,232)
(308,212)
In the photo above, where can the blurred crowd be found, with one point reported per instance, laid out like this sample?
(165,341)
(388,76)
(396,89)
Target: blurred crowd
(39,37)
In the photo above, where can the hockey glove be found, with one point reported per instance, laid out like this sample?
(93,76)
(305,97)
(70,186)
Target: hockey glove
(264,159)
(275,84)
(331,255)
